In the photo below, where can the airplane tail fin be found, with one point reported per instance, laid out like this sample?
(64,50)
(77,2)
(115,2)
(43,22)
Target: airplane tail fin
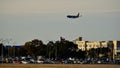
(78,14)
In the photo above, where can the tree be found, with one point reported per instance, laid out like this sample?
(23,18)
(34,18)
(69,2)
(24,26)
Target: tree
(29,48)
(35,48)
(50,49)
(81,54)
(65,49)
(103,52)
(92,53)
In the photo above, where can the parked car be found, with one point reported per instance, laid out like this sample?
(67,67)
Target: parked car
(117,61)
(40,61)
(2,60)
(24,62)
(33,60)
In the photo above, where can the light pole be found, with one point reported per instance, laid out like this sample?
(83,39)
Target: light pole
(14,48)
(8,41)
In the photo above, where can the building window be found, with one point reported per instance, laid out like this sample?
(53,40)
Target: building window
(90,45)
(97,45)
(83,48)
(118,54)
(80,45)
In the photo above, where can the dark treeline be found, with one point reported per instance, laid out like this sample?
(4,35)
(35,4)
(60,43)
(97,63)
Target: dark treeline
(62,49)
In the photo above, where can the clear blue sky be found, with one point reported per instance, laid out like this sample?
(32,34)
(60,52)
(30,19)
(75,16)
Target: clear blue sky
(25,20)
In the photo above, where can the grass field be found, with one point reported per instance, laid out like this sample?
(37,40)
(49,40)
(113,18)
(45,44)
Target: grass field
(58,66)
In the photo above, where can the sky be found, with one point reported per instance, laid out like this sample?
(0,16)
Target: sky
(25,20)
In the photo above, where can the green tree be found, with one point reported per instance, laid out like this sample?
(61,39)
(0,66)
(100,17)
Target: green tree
(35,48)
(65,49)
(50,49)
(92,53)
(29,48)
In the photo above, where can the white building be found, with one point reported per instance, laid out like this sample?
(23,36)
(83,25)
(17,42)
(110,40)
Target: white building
(89,45)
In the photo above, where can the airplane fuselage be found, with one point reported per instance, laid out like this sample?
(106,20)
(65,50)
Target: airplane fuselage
(73,16)
(69,16)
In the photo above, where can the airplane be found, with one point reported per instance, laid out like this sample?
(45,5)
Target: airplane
(73,16)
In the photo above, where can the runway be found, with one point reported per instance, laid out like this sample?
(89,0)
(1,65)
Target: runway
(59,66)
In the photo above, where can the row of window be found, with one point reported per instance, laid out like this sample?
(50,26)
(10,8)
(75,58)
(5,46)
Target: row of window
(92,45)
